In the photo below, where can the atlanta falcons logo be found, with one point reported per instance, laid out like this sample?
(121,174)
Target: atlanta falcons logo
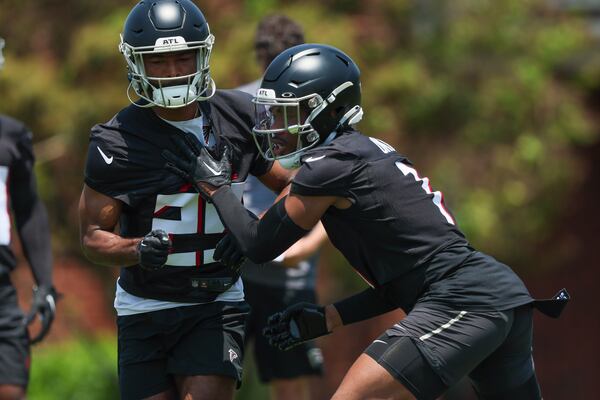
(232,355)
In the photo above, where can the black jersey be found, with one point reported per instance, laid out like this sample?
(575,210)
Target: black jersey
(398,229)
(125,163)
(16,165)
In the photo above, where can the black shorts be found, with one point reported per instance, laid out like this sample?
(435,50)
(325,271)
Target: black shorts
(305,359)
(434,347)
(206,339)
(14,339)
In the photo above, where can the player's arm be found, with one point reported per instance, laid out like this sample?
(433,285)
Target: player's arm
(98,217)
(305,247)
(283,224)
(261,240)
(309,244)
(31,221)
(278,179)
(305,321)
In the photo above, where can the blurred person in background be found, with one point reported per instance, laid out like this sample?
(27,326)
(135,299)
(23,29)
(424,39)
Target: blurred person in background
(18,192)
(273,286)
(467,314)
(180,312)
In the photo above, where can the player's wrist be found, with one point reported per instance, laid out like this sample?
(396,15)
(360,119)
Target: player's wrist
(332,318)
(207,188)
(45,289)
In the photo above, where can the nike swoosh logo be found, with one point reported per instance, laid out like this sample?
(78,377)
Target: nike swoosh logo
(107,159)
(210,169)
(311,159)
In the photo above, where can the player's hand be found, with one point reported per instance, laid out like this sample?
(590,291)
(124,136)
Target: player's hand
(197,166)
(44,307)
(296,324)
(228,253)
(153,250)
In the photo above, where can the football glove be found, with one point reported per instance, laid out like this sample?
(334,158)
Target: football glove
(44,307)
(153,250)
(229,253)
(296,324)
(196,165)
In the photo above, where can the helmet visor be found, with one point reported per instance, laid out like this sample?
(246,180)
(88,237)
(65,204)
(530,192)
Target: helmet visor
(282,126)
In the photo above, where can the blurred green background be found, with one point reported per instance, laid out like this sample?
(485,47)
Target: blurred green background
(495,101)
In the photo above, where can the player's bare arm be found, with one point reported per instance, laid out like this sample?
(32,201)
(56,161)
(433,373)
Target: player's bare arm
(98,217)
(305,247)
(278,179)
(310,243)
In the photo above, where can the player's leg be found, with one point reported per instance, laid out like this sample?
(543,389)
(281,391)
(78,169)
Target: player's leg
(508,373)
(206,387)
(14,367)
(142,357)
(428,351)
(366,379)
(12,392)
(14,345)
(286,372)
(206,356)
(292,389)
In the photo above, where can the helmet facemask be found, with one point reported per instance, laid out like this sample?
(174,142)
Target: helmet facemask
(289,126)
(161,91)
(282,128)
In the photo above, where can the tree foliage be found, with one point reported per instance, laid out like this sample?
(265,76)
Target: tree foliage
(466,88)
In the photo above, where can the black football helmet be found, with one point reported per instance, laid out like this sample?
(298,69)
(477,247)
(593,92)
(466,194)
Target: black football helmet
(311,91)
(161,26)
(1,55)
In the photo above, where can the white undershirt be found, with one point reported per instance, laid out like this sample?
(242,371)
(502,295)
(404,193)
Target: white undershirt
(128,304)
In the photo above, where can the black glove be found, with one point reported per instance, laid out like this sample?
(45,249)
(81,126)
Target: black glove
(44,306)
(229,253)
(153,250)
(195,164)
(296,324)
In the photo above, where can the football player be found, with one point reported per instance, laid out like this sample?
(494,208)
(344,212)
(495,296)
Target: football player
(291,279)
(18,193)
(180,312)
(467,314)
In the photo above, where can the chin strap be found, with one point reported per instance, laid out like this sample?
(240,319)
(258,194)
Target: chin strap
(157,94)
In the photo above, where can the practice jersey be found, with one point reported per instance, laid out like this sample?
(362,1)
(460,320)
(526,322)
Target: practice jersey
(398,229)
(258,198)
(125,163)
(16,165)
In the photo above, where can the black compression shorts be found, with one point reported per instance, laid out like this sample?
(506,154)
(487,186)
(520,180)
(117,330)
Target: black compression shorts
(434,347)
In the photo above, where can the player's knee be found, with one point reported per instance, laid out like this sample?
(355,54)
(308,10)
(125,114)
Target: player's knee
(12,392)
(290,389)
(530,390)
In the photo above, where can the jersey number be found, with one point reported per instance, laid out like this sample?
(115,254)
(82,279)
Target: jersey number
(197,217)
(438,197)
